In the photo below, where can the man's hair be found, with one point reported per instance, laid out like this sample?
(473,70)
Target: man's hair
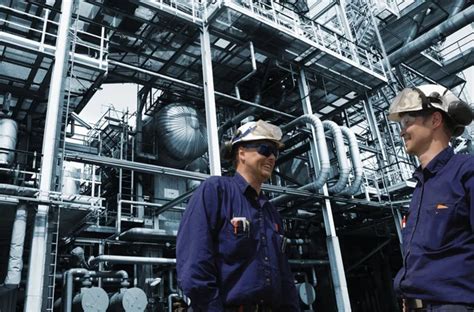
(448,123)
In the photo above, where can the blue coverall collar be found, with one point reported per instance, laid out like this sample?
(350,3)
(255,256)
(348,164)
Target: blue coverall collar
(435,164)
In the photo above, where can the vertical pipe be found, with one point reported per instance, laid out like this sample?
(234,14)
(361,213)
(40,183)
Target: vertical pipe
(36,271)
(209,98)
(334,251)
(15,261)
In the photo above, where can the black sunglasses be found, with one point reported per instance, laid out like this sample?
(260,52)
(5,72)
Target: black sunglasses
(264,149)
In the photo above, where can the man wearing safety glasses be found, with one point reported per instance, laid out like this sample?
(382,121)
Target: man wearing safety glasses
(230,247)
(438,235)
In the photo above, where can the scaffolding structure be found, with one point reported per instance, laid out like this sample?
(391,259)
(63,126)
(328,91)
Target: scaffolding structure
(117,189)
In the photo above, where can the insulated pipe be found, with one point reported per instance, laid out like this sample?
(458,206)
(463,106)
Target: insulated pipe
(344,168)
(322,151)
(437,33)
(18,190)
(322,147)
(15,261)
(246,77)
(356,162)
(37,264)
(130,259)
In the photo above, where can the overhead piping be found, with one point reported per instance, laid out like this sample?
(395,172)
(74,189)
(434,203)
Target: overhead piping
(344,169)
(437,33)
(322,150)
(356,162)
(252,72)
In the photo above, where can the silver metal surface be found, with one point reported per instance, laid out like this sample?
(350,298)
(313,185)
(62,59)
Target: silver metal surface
(181,134)
(15,259)
(8,137)
(37,264)
(210,102)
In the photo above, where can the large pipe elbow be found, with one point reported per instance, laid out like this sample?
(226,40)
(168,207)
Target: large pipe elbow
(344,169)
(356,162)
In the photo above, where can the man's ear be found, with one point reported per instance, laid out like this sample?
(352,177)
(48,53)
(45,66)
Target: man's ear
(437,119)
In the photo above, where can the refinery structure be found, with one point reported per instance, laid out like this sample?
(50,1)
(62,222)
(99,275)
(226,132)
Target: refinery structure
(90,211)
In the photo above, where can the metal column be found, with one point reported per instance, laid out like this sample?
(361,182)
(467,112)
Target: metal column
(37,262)
(374,129)
(332,241)
(210,101)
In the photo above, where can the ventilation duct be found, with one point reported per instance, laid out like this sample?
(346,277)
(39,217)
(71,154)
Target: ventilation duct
(181,135)
(8,135)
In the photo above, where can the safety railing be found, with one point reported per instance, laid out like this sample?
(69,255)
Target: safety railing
(26,25)
(308,29)
(461,46)
(189,9)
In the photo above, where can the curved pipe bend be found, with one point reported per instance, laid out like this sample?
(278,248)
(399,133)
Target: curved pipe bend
(344,168)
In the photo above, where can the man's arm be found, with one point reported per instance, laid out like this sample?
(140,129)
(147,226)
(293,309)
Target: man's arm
(196,250)
(290,298)
(469,187)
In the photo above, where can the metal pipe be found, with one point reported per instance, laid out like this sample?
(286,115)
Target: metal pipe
(322,152)
(36,271)
(170,301)
(130,259)
(15,259)
(68,282)
(195,86)
(344,169)
(210,103)
(308,262)
(435,34)
(252,72)
(18,190)
(356,162)
(170,282)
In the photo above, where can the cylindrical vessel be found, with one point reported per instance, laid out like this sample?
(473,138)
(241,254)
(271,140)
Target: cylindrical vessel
(180,134)
(129,300)
(93,299)
(8,135)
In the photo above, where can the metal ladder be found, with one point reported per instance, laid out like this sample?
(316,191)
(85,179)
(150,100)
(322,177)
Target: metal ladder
(53,260)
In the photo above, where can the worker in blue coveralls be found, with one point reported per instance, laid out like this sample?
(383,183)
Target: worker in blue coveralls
(230,248)
(438,238)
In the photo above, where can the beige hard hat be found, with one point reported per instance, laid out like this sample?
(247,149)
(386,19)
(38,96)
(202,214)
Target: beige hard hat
(258,130)
(431,96)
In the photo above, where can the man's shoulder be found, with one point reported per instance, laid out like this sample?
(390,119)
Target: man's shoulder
(464,162)
(463,159)
(215,181)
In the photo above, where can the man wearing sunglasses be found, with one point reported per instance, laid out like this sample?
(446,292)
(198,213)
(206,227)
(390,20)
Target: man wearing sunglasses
(230,247)
(438,236)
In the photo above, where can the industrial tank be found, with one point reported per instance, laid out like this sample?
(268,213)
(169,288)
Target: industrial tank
(180,134)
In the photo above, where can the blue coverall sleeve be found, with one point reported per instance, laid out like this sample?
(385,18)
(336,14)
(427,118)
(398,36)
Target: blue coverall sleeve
(196,249)
(469,188)
(290,301)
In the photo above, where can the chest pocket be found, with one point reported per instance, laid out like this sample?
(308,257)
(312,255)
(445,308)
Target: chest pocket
(438,225)
(237,247)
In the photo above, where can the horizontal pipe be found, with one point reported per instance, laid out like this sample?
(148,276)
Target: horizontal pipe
(130,259)
(435,34)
